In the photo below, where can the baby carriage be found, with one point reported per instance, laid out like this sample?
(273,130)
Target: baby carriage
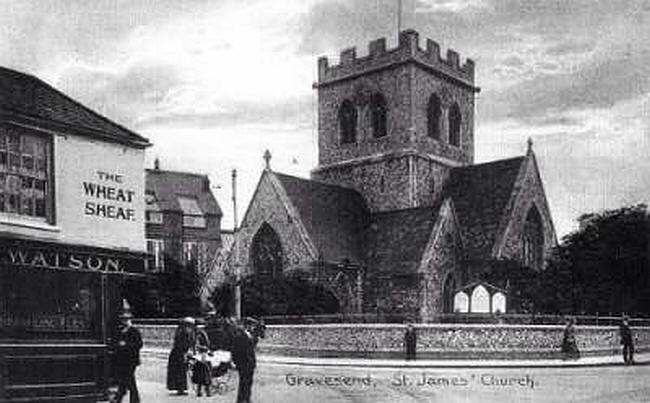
(211,369)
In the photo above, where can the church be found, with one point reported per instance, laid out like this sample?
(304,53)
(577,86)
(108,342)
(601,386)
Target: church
(397,218)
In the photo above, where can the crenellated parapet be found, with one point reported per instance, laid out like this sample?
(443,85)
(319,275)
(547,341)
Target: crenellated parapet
(408,50)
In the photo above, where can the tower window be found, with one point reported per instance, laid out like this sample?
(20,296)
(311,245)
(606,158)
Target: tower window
(454,125)
(433,117)
(378,113)
(348,122)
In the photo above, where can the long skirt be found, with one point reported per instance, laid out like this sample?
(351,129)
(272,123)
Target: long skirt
(177,371)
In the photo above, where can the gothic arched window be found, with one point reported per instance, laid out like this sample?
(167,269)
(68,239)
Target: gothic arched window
(499,303)
(532,245)
(266,252)
(433,117)
(348,122)
(480,300)
(454,125)
(378,113)
(448,294)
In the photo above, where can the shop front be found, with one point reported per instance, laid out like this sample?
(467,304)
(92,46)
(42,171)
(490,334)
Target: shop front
(58,305)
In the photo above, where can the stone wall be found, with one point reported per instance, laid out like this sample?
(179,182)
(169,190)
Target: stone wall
(434,341)
(441,341)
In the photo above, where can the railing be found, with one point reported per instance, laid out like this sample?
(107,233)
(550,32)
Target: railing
(467,318)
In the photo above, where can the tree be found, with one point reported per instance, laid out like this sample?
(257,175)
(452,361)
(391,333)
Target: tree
(180,285)
(603,266)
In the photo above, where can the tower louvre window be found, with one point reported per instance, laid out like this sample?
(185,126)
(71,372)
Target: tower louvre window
(433,117)
(378,112)
(454,125)
(348,122)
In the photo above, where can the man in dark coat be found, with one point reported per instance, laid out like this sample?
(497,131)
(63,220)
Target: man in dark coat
(128,343)
(410,341)
(243,356)
(627,341)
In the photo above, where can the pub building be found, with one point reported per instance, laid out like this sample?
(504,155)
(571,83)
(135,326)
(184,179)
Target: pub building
(72,205)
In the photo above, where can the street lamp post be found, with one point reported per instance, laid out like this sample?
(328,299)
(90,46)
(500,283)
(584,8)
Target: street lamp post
(236,247)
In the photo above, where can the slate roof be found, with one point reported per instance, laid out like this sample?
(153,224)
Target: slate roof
(395,240)
(341,226)
(31,100)
(167,186)
(334,216)
(480,194)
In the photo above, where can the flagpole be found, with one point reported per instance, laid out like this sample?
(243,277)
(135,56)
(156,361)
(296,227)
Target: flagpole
(399,17)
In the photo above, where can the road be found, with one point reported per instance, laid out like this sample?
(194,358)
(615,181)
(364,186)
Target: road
(291,383)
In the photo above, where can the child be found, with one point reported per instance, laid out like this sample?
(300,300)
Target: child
(202,372)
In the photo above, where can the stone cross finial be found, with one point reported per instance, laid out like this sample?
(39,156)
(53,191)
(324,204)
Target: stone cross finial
(267,159)
(530,144)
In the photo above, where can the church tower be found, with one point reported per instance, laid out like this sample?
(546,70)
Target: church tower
(393,123)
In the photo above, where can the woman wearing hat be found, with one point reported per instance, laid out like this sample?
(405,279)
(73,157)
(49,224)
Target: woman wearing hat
(184,340)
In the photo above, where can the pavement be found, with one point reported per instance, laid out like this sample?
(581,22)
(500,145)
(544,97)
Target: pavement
(337,380)
(590,361)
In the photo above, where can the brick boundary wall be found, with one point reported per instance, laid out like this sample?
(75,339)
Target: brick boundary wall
(434,341)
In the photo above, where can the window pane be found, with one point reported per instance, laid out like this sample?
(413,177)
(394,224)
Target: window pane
(23,172)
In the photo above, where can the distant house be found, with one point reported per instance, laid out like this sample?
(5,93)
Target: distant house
(182,220)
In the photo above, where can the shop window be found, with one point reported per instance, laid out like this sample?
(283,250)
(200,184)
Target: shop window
(156,248)
(378,113)
(193,216)
(43,304)
(25,175)
(348,122)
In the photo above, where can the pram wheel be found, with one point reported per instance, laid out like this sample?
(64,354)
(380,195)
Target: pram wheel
(222,384)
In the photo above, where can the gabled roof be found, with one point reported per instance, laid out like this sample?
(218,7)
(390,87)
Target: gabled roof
(334,216)
(397,239)
(480,194)
(169,186)
(28,99)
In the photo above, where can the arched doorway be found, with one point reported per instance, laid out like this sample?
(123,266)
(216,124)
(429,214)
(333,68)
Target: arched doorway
(448,294)
(266,252)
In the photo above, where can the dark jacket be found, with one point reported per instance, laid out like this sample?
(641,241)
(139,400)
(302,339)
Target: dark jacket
(626,334)
(127,348)
(184,340)
(243,350)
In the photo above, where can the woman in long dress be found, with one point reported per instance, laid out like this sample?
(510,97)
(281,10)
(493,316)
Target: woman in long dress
(569,344)
(184,341)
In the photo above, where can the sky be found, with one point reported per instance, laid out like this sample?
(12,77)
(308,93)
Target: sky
(214,83)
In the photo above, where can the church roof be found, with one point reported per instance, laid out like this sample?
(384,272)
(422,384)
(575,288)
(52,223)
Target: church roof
(480,194)
(172,188)
(31,100)
(396,239)
(334,216)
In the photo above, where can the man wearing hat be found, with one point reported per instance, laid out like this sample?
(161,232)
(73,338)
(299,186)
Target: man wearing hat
(627,341)
(128,343)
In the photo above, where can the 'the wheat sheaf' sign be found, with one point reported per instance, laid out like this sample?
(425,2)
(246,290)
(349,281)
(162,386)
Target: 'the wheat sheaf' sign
(108,199)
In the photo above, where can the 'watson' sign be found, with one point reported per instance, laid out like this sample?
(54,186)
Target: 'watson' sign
(24,256)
